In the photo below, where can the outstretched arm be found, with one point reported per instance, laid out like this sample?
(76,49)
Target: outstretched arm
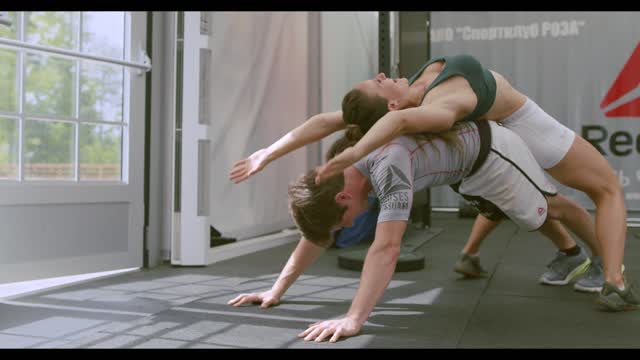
(302,257)
(430,118)
(314,129)
(379,266)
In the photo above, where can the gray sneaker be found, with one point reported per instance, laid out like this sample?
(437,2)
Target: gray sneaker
(593,278)
(563,268)
(613,299)
(469,266)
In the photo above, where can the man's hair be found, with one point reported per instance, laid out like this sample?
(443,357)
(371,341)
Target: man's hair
(360,111)
(314,208)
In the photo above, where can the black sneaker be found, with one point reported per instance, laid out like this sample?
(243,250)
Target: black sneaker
(613,299)
(469,266)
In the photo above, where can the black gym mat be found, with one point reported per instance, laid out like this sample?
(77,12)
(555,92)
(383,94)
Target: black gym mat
(172,307)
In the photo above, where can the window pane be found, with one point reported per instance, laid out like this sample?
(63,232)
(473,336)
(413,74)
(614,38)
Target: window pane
(8,148)
(10,31)
(8,85)
(49,150)
(103,33)
(100,152)
(101,88)
(57,29)
(49,86)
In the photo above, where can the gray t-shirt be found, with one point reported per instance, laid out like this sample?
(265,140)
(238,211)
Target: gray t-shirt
(405,166)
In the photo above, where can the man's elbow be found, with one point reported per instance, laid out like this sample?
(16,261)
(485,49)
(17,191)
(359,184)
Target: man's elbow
(393,253)
(389,253)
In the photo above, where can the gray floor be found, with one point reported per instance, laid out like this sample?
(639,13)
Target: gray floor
(171,307)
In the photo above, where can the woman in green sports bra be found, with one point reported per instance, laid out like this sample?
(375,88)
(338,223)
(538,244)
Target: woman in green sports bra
(458,88)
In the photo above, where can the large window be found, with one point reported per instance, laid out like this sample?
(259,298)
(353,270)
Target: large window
(61,117)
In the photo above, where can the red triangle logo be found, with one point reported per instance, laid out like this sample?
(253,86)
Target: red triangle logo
(632,108)
(627,80)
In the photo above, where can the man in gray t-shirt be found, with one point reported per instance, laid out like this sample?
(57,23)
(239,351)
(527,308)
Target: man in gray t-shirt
(490,166)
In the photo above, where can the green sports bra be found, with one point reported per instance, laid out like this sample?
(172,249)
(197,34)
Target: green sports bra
(480,79)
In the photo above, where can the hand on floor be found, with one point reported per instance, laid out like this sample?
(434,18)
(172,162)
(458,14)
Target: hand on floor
(338,328)
(265,299)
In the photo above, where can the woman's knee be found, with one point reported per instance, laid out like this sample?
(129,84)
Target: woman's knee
(609,187)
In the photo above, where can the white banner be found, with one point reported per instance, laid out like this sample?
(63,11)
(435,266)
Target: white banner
(583,68)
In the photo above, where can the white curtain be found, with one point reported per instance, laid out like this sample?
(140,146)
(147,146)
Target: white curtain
(259,91)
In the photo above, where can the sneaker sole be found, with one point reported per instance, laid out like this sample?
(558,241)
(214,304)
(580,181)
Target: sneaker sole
(587,289)
(470,274)
(579,270)
(607,306)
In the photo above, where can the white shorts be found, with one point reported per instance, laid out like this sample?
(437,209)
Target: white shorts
(511,179)
(546,137)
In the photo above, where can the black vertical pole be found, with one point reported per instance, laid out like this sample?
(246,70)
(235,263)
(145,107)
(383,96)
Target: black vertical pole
(147,145)
(384,43)
(414,49)
(426,215)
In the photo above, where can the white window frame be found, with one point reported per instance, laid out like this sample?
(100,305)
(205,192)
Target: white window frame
(30,192)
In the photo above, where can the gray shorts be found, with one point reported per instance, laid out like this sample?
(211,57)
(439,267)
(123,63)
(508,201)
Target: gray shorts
(511,179)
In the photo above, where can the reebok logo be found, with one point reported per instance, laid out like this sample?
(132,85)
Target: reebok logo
(392,193)
(395,181)
(622,100)
(627,80)
(540,211)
